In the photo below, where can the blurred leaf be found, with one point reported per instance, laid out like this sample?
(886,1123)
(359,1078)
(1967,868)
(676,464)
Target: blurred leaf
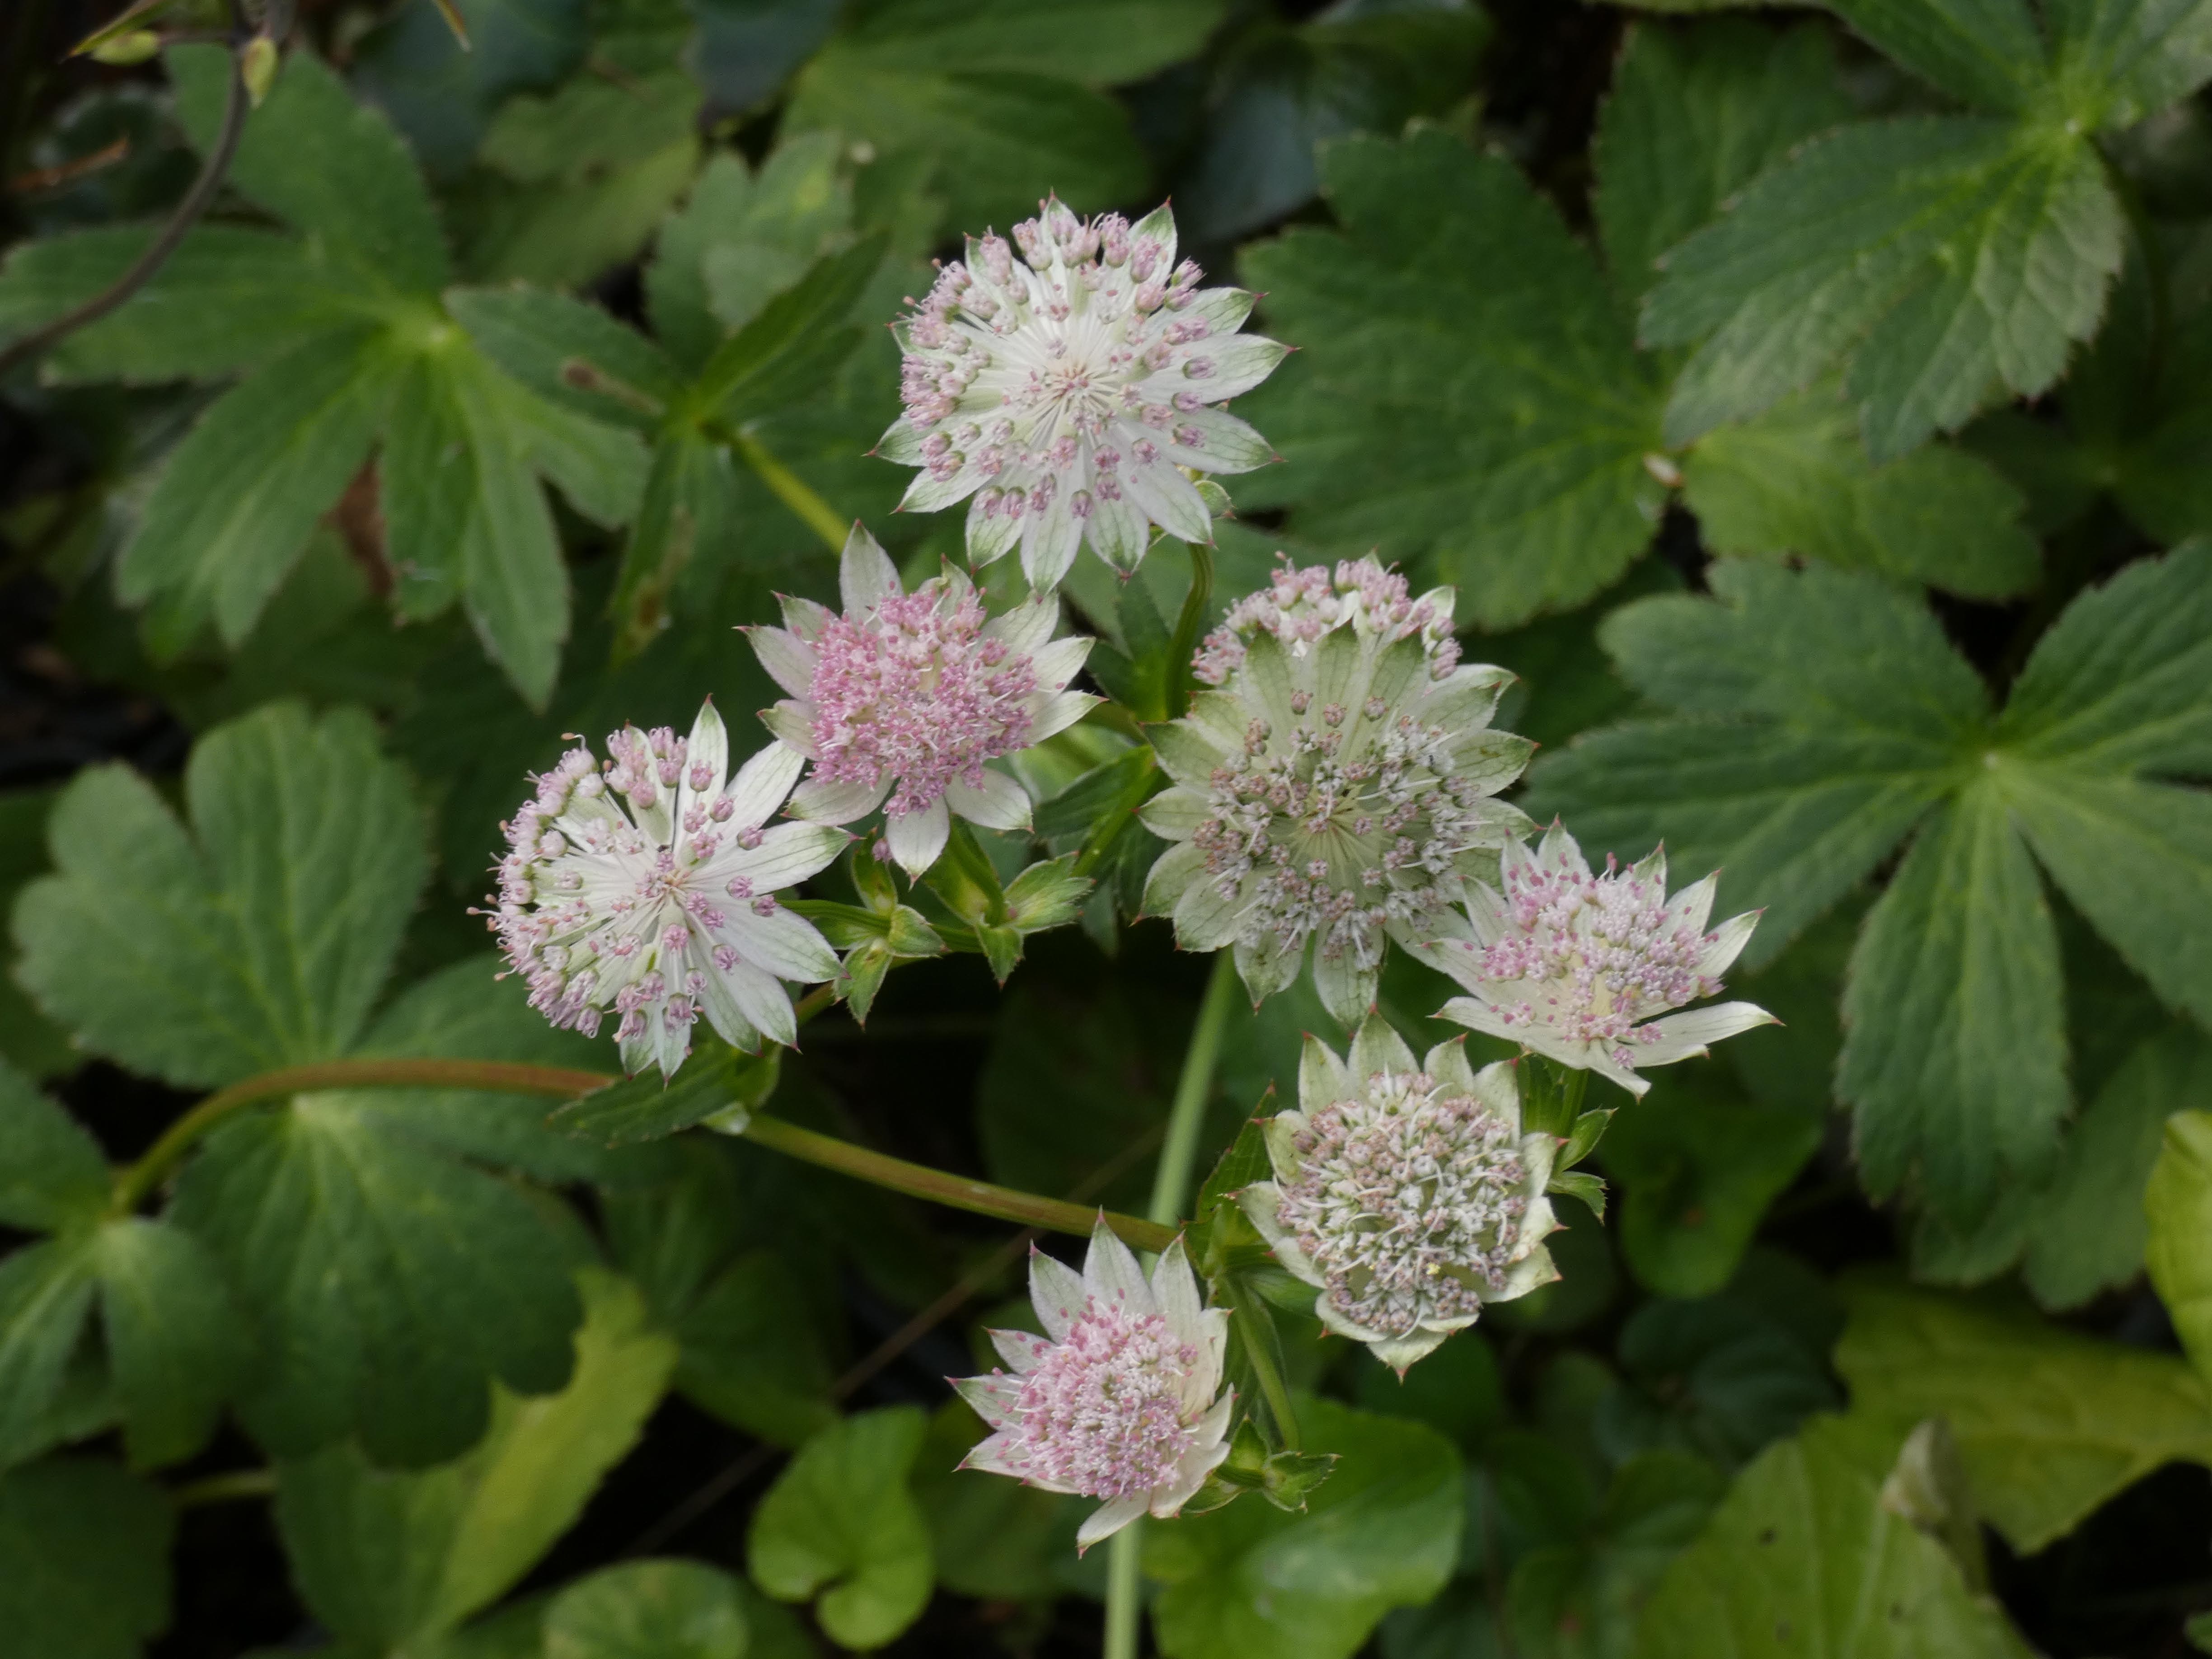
(995,1538)
(1459,1390)
(175,1343)
(744,49)
(840,1523)
(1469,392)
(442,94)
(45,1289)
(751,1355)
(29,1041)
(649,1106)
(1713,1375)
(2051,1423)
(84,1567)
(2179,1206)
(258,938)
(1382,1532)
(384,1558)
(648,1610)
(1099,43)
(1803,1556)
(1698,1163)
(52,1173)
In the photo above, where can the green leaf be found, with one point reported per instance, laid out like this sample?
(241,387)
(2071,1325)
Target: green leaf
(1693,117)
(999,139)
(84,1560)
(1843,716)
(325,164)
(648,1610)
(1984,53)
(797,341)
(1902,250)
(1000,1540)
(229,299)
(569,352)
(1698,1163)
(260,938)
(1797,481)
(2051,1423)
(404,1280)
(174,1341)
(2123,680)
(441,93)
(1955,1052)
(2122,60)
(752,1353)
(1514,452)
(52,1171)
(1100,43)
(2179,1202)
(1721,1377)
(1802,1556)
(28,1040)
(648,1107)
(840,1523)
(690,504)
(384,1558)
(45,1289)
(232,507)
(1382,1532)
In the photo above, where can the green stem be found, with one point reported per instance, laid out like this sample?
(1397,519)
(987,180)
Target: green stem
(918,1180)
(1187,1116)
(1170,1190)
(1258,1334)
(137,1183)
(793,491)
(1188,622)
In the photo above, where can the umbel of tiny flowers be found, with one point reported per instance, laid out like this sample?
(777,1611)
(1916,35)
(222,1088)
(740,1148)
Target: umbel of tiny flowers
(646,884)
(1067,391)
(1574,965)
(1336,787)
(899,702)
(1120,1399)
(1407,1196)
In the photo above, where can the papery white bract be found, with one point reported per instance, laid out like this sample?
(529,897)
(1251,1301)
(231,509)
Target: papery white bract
(666,911)
(900,701)
(1407,1195)
(1574,965)
(1337,787)
(1120,1399)
(1065,390)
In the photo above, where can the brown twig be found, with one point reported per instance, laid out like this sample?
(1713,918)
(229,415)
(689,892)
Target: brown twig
(196,199)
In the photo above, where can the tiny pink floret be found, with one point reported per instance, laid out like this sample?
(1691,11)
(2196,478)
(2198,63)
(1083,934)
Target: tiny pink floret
(1101,1412)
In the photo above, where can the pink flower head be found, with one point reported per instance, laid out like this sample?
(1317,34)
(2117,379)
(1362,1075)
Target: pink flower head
(1300,605)
(900,701)
(1574,965)
(663,912)
(1071,392)
(1120,1399)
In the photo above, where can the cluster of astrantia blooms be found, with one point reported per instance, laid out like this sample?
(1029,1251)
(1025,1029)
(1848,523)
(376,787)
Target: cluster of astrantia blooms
(1574,965)
(1407,1196)
(1067,391)
(1336,788)
(644,887)
(899,702)
(1120,1399)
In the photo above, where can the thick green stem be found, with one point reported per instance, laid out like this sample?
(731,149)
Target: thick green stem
(918,1181)
(1171,1182)
(793,491)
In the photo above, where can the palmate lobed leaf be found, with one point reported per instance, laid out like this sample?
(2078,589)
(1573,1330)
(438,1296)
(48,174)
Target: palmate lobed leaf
(84,1568)
(1821,715)
(2052,1424)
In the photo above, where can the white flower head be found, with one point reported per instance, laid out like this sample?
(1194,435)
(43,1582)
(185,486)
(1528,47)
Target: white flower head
(1574,965)
(666,911)
(1336,788)
(1068,391)
(1120,1399)
(1407,1196)
(900,701)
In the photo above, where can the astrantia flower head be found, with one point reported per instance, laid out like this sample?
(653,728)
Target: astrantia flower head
(1574,965)
(1120,1399)
(666,911)
(1065,389)
(1337,787)
(900,701)
(1407,1195)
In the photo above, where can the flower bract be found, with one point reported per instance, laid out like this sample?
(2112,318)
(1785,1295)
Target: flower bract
(1575,965)
(644,886)
(1069,392)
(1407,1194)
(1336,788)
(900,700)
(1120,1399)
